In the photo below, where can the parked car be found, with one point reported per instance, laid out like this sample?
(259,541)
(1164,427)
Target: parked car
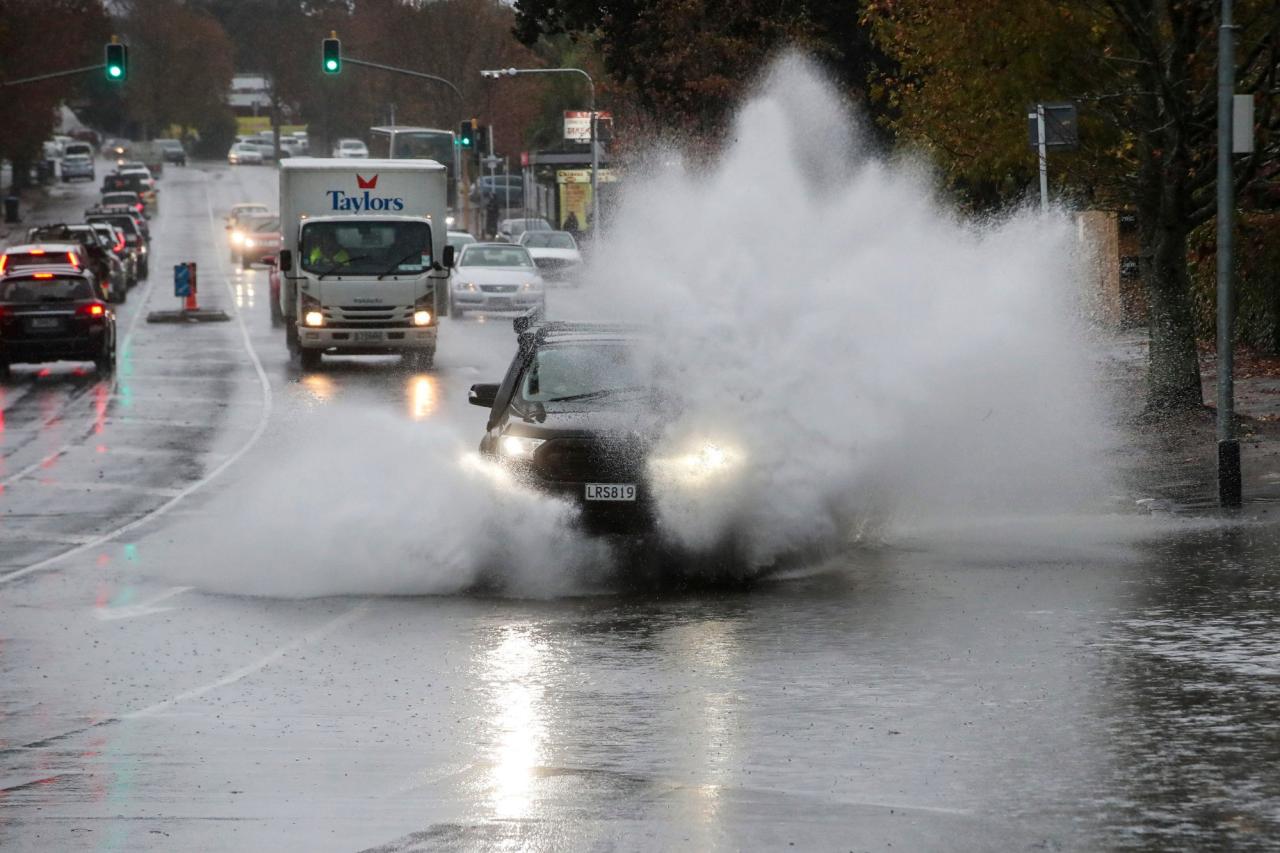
(244,153)
(511,229)
(556,254)
(351,149)
(173,151)
(77,166)
(495,277)
(55,313)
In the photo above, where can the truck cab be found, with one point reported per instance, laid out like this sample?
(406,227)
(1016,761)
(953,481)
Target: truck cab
(364,260)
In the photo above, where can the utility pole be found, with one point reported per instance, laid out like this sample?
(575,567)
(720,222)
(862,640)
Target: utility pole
(1044,159)
(595,153)
(1229,477)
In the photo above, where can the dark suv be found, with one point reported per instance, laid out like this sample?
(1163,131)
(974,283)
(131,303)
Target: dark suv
(55,313)
(577,417)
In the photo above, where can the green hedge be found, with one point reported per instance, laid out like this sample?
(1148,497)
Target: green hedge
(1257,277)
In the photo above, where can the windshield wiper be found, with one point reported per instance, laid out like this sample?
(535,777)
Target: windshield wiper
(606,392)
(397,264)
(331,270)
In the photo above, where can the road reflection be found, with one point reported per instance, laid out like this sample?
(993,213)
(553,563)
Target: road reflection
(423,396)
(514,673)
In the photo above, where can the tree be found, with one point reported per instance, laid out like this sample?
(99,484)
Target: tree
(1144,72)
(686,62)
(30,46)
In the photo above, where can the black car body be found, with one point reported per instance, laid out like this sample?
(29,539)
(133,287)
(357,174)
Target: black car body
(136,234)
(128,256)
(106,265)
(55,313)
(574,418)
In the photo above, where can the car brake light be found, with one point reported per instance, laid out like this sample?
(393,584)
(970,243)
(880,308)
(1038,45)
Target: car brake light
(36,252)
(93,309)
(71,259)
(4,262)
(43,275)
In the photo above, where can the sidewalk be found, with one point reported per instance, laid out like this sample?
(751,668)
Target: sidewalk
(1180,463)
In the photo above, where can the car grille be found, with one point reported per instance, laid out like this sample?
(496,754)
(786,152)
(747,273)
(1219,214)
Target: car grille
(581,460)
(368,316)
(499,288)
(554,264)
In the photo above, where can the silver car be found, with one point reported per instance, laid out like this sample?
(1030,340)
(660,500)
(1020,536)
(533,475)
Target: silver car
(495,277)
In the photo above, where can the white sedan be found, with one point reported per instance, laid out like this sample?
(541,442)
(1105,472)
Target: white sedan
(495,277)
(352,149)
(556,254)
(244,152)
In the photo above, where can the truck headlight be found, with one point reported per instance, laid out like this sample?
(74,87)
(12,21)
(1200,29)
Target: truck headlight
(249,243)
(236,238)
(313,318)
(421,318)
(519,446)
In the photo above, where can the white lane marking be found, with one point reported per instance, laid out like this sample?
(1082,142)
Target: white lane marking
(142,608)
(256,666)
(263,420)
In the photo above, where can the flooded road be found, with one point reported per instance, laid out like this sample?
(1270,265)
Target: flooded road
(1108,682)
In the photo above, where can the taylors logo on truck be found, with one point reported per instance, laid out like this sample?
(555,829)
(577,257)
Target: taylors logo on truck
(341,200)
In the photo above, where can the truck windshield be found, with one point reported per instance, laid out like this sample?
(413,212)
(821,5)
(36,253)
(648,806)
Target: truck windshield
(366,247)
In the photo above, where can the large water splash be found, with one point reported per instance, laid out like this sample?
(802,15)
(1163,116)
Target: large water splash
(875,357)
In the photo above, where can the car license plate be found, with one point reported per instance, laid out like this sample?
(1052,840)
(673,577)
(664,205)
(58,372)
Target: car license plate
(611,492)
(44,324)
(500,303)
(368,336)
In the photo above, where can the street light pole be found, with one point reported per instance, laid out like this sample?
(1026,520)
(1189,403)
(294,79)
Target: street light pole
(1229,479)
(595,154)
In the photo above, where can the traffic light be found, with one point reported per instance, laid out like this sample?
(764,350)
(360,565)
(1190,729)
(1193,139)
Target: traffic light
(331,51)
(467,133)
(117,64)
(482,139)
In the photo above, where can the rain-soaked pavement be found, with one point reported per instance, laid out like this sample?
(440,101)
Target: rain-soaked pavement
(1008,690)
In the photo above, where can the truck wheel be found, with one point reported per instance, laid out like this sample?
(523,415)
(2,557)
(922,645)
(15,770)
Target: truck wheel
(291,336)
(309,358)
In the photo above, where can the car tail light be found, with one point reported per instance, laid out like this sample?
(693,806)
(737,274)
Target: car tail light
(4,262)
(120,241)
(93,309)
(36,252)
(71,259)
(43,275)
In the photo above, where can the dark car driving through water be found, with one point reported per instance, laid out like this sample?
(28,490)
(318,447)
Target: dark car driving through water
(581,415)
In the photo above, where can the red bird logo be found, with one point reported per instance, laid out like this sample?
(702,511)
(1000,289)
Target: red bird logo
(367,183)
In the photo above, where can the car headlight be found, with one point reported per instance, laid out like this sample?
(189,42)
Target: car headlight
(468,286)
(449,220)
(536,284)
(249,243)
(706,462)
(421,318)
(519,446)
(313,318)
(236,238)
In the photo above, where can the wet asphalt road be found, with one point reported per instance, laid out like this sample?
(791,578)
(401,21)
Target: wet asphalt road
(1005,689)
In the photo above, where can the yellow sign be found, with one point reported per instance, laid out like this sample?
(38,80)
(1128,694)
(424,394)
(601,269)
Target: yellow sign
(583,176)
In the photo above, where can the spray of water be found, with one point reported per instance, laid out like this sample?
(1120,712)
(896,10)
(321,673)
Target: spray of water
(874,359)
(873,364)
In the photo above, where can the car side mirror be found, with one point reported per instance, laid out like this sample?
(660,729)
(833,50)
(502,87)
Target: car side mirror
(448,257)
(286,260)
(484,394)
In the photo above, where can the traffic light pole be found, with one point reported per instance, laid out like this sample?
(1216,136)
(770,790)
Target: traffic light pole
(54,75)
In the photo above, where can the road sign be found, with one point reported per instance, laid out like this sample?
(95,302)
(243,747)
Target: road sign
(1061,131)
(577,124)
(583,176)
(181,280)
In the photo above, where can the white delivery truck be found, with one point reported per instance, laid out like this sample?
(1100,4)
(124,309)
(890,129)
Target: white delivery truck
(364,266)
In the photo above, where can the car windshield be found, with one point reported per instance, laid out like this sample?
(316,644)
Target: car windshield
(457,240)
(495,256)
(565,373)
(124,223)
(549,240)
(366,248)
(119,198)
(265,223)
(35,290)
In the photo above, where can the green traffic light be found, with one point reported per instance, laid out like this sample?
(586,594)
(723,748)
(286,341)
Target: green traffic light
(332,65)
(115,71)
